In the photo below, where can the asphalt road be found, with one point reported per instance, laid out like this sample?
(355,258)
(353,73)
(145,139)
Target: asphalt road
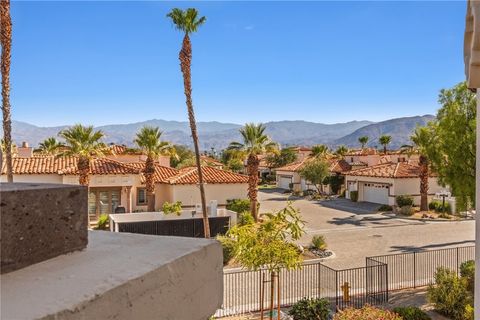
(356,234)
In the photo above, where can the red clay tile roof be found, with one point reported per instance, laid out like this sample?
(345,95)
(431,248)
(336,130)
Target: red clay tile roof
(118,149)
(208,161)
(336,165)
(339,166)
(361,152)
(389,170)
(294,166)
(101,166)
(40,164)
(161,175)
(189,175)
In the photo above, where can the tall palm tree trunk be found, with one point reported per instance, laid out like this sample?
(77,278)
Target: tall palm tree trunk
(423,161)
(252,168)
(6,41)
(185,57)
(149,183)
(84,170)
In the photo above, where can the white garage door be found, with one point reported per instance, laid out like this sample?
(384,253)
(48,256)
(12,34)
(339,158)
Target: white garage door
(284,182)
(376,193)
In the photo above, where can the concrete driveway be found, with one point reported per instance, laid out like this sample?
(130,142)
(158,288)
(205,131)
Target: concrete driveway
(355,234)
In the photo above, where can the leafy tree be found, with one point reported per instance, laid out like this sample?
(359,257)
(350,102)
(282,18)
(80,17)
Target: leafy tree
(236,165)
(255,143)
(148,139)
(341,151)
(188,22)
(182,154)
(320,151)
(269,243)
(50,146)
(84,143)
(6,43)
(385,141)
(282,158)
(363,141)
(316,171)
(449,143)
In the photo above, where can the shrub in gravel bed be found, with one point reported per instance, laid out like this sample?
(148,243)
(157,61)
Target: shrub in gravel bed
(366,313)
(411,313)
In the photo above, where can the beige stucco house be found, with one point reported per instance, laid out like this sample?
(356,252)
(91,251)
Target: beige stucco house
(288,177)
(383,182)
(116,184)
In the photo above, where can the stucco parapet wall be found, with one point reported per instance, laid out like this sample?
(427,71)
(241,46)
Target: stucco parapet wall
(120,276)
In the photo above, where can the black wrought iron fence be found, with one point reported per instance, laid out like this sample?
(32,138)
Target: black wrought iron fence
(417,269)
(343,288)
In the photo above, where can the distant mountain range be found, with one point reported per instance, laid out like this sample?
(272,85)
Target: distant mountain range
(218,135)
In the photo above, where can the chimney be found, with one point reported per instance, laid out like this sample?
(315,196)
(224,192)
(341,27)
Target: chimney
(25,151)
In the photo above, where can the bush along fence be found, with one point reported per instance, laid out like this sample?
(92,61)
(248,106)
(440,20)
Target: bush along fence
(344,288)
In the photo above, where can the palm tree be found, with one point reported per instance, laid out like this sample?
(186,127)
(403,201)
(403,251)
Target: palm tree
(83,143)
(320,151)
(255,143)
(148,139)
(50,146)
(384,141)
(363,141)
(188,22)
(6,42)
(341,151)
(421,139)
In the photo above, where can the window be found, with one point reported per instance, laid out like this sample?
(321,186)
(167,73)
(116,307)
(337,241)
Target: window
(141,196)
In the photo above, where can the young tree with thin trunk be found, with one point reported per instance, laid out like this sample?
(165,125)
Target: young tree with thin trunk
(269,244)
(315,172)
(6,42)
(363,141)
(255,143)
(84,143)
(385,141)
(148,139)
(188,22)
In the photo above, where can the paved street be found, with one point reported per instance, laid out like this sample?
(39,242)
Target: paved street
(356,235)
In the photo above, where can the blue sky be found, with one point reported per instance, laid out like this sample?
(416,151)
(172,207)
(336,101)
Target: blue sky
(117,62)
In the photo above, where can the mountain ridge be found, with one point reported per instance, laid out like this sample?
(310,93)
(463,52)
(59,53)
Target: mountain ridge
(215,134)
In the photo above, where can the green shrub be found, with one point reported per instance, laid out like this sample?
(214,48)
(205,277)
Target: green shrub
(354,196)
(102,223)
(467,271)
(411,313)
(437,206)
(385,207)
(290,186)
(238,205)
(175,207)
(469,312)
(434,205)
(404,200)
(228,248)
(245,218)
(406,210)
(366,313)
(342,195)
(310,309)
(449,294)
(319,242)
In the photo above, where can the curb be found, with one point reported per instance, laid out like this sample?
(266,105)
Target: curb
(393,215)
